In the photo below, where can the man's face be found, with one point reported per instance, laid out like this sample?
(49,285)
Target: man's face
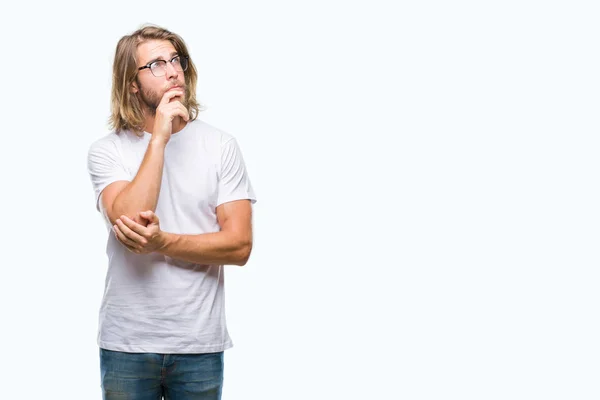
(151,88)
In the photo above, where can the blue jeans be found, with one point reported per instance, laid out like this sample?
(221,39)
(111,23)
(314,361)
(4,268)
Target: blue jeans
(150,376)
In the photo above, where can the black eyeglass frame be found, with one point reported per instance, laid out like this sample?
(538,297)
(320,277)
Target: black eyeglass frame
(149,65)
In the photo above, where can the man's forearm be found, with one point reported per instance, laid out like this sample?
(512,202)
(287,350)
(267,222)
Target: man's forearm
(217,248)
(142,192)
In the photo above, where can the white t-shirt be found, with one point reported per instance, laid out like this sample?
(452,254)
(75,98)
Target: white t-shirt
(153,303)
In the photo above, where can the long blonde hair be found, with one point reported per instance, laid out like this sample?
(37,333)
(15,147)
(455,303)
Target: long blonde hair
(126,108)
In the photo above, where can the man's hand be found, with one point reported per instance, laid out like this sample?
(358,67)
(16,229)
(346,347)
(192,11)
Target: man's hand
(169,108)
(140,239)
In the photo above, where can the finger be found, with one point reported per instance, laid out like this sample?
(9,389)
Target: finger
(179,110)
(183,112)
(129,233)
(169,95)
(133,226)
(132,249)
(130,244)
(150,216)
(178,98)
(176,109)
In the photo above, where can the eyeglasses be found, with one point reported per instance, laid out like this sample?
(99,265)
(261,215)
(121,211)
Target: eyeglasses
(159,67)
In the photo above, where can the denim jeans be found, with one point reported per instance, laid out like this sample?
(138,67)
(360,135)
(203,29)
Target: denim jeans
(150,376)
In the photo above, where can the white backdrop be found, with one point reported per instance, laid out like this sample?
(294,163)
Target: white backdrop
(427,182)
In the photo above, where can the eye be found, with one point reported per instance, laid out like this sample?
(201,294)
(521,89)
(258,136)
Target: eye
(176,60)
(157,65)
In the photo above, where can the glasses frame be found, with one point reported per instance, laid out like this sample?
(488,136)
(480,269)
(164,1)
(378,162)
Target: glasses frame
(149,65)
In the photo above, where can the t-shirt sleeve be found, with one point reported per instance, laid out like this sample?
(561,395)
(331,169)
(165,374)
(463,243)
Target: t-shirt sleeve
(105,166)
(234,182)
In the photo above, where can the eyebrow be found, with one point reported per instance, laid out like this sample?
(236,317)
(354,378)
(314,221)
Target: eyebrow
(173,54)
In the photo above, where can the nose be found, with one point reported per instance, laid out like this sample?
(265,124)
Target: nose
(171,71)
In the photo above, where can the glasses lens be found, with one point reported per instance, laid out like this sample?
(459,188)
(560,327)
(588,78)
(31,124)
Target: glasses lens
(183,63)
(158,68)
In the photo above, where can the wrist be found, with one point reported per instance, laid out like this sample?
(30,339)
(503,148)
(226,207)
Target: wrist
(165,239)
(157,143)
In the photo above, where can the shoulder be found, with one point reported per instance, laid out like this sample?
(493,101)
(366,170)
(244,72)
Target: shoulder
(109,145)
(211,133)
(104,141)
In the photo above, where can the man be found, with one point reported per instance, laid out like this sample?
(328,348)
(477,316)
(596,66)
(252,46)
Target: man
(175,193)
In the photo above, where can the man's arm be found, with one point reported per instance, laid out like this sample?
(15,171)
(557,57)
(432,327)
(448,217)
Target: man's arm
(129,198)
(232,245)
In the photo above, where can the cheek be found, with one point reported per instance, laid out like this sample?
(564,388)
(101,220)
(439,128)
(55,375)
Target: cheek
(150,92)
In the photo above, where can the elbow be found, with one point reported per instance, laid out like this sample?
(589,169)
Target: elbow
(110,216)
(243,253)
(116,212)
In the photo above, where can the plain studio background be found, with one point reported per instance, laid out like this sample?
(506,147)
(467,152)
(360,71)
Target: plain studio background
(427,176)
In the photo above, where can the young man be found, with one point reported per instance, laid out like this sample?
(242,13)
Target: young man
(177,200)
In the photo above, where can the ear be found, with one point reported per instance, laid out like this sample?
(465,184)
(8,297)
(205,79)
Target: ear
(134,87)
